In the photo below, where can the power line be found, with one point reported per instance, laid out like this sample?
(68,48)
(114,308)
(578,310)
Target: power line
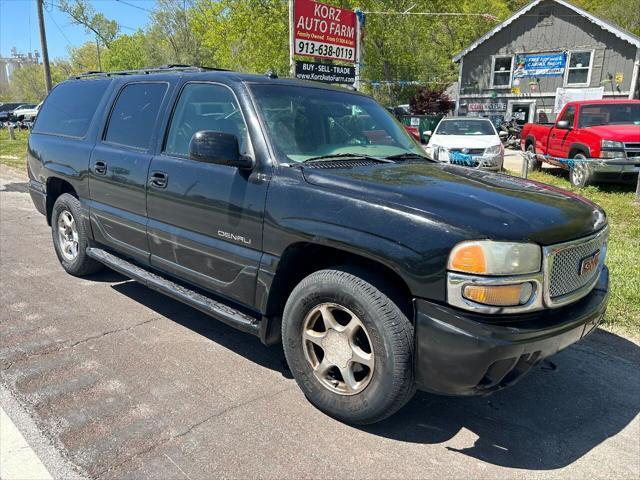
(58,27)
(135,6)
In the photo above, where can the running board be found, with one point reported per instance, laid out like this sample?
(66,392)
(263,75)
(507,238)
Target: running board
(218,310)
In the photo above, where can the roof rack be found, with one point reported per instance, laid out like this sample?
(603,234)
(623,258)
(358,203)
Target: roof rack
(147,71)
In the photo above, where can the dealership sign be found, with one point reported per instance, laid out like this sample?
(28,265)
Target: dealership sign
(324,31)
(319,72)
(486,107)
(539,65)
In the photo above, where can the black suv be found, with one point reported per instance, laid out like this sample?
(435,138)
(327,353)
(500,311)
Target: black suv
(305,214)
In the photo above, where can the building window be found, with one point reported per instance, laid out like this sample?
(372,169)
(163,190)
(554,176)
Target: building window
(578,72)
(501,71)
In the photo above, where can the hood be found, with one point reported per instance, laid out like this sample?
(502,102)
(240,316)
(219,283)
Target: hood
(621,133)
(464,141)
(484,204)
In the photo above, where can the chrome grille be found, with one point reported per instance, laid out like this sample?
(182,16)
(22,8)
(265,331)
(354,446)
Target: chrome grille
(632,149)
(564,263)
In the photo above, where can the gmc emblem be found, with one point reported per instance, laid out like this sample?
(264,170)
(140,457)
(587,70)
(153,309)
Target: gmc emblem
(587,264)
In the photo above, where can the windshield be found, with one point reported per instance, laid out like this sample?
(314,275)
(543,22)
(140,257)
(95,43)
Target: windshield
(465,127)
(306,122)
(610,114)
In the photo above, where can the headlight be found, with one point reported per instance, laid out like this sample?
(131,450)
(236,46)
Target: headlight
(612,144)
(487,257)
(494,150)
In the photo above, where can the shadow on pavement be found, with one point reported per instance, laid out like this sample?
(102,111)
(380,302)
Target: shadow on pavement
(243,344)
(557,414)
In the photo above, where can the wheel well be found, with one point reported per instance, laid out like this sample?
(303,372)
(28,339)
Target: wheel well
(301,259)
(578,149)
(55,188)
(527,142)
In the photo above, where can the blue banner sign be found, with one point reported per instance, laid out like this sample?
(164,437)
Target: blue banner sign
(539,65)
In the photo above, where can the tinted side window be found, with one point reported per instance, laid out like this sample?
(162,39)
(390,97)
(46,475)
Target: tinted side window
(69,108)
(204,107)
(134,114)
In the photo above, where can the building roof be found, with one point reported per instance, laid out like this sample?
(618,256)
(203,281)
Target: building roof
(605,25)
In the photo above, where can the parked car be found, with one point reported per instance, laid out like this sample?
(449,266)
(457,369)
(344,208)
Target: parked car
(6,109)
(606,130)
(467,141)
(271,205)
(26,112)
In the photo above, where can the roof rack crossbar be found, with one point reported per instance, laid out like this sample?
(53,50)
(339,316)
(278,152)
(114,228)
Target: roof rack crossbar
(147,71)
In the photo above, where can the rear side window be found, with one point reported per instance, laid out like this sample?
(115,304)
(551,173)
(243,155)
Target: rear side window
(134,114)
(69,108)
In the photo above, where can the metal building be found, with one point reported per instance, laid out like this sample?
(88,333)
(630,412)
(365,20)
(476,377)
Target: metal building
(544,55)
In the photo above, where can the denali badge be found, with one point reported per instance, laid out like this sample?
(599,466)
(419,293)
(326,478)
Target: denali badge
(235,238)
(589,263)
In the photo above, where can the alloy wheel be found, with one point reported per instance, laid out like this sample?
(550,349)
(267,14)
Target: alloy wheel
(338,347)
(68,235)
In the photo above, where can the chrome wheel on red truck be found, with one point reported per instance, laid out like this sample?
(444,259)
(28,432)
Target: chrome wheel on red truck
(579,173)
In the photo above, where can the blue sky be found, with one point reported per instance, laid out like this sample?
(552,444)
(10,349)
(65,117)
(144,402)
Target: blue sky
(19,24)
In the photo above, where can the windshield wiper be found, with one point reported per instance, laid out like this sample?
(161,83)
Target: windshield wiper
(407,156)
(342,156)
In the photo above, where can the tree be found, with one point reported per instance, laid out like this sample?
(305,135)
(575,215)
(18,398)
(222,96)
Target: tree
(129,52)
(83,13)
(431,101)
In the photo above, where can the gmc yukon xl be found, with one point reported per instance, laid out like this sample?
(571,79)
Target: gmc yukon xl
(307,215)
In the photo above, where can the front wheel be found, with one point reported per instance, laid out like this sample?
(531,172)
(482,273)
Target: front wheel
(579,174)
(534,165)
(349,346)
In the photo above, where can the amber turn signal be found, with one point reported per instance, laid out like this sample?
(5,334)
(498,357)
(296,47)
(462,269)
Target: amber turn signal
(468,258)
(499,295)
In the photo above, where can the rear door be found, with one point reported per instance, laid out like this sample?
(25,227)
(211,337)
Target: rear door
(118,169)
(205,220)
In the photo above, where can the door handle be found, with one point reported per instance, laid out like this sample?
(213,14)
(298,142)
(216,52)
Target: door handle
(158,179)
(100,168)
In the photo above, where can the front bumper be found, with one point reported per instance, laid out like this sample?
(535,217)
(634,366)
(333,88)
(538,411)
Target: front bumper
(617,169)
(462,353)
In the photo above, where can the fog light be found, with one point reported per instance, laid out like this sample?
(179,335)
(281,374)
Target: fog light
(499,295)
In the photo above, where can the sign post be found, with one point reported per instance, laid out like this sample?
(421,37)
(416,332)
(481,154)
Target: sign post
(359,19)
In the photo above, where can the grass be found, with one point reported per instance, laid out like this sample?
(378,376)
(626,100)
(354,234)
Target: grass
(623,256)
(13,152)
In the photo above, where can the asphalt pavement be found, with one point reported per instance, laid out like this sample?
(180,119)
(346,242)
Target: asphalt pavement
(122,382)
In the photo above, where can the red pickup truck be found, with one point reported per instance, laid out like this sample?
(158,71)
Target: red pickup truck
(593,139)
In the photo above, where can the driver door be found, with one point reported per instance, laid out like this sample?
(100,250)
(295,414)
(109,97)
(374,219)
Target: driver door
(205,220)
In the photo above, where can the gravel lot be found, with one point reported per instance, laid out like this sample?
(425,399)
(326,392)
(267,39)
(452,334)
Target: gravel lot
(125,383)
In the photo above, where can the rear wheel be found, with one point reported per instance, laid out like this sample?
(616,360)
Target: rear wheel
(70,238)
(534,165)
(579,173)
(349,346)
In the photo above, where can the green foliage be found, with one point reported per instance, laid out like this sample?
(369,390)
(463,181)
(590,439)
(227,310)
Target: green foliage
(128,52)
(245,35)
(83,13)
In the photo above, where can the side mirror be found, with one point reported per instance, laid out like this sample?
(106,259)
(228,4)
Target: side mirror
(427,133)
(503,134)
(563,124)
(219,148)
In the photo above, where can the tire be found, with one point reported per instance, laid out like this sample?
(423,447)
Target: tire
(534,165)
(70,239)
(579,174)
(380,334)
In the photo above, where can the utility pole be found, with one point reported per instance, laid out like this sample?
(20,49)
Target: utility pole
(45,50)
